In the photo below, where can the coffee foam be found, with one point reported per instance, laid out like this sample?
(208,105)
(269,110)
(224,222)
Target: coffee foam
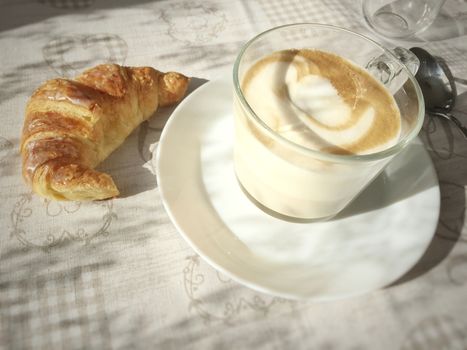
(323,102)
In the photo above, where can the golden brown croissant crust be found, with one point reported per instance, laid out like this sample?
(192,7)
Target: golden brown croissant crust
(72,125)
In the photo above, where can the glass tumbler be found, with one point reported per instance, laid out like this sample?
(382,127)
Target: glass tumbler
(400,18)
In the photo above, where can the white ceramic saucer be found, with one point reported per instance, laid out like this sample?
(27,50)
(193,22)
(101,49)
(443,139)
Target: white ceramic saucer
(371,244)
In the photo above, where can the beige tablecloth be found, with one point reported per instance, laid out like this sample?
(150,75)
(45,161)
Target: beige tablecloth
(116,274)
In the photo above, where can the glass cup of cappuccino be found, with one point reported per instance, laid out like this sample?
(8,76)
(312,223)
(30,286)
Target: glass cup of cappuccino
(319,112)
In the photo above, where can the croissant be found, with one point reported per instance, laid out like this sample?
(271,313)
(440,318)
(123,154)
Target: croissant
(72,125)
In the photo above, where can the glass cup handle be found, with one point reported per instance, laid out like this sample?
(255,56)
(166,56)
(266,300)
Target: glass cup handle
(386,70)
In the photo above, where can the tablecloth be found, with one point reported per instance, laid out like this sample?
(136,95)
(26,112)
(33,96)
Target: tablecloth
(116,274)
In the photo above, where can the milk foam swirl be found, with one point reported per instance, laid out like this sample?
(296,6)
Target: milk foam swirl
(323,102)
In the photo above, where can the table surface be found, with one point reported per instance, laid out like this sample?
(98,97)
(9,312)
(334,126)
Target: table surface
(117,274)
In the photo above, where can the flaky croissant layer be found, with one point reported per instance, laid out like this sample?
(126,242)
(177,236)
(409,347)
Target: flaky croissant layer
(72,125)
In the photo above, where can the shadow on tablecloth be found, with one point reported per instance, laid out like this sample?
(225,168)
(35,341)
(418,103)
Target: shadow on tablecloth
(448,150)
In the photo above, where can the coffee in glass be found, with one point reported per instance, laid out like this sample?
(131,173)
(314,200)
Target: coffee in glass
(313,127)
